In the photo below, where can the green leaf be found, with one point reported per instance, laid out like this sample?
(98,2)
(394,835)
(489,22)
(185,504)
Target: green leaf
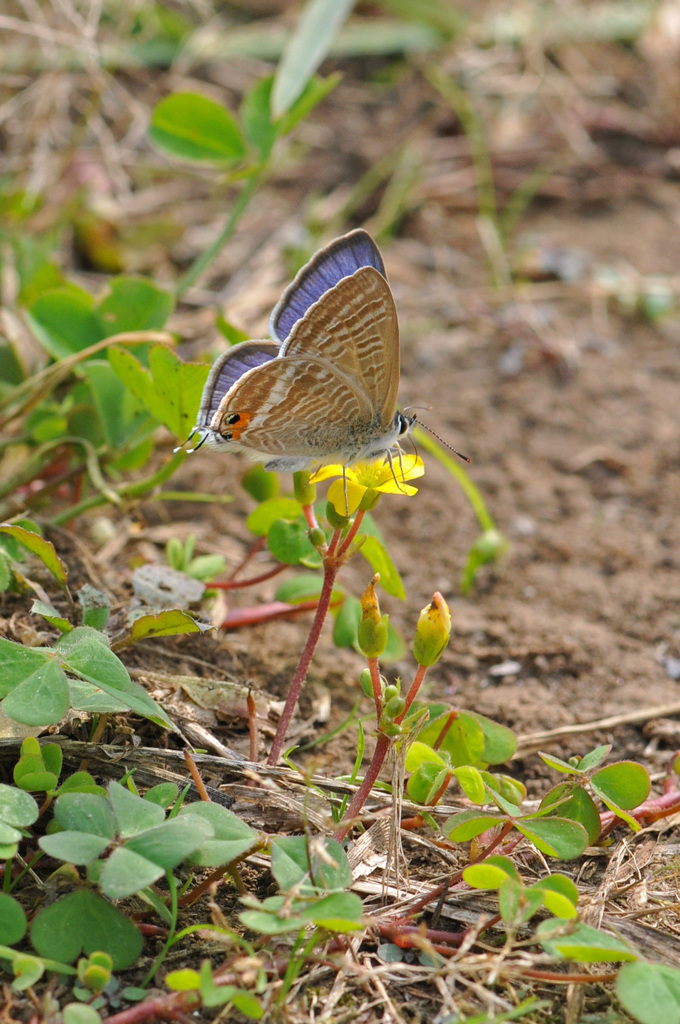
(65,322)
(560,895)
(315,91)
(420,753)
(18,663)
(84,654)
(17,810)
(556,837)
(83,922)
(133,814)
(625,784)
(466,825)
(120,413)
(134,304)
(80,1013)
(288,542)
(164,794)
(471,783)
(306,49)
(377,557)
(557,763)
(126,872)
(290,861)
(463,740)
(95,605)
(85,812)
(650,992)
(260,484)
(500,743)
(192,127)
(306,586)
(572,801)
(594,757)
(262,518)
(170,389)
(184,980)
(169,843)
(41,699)
(73,847)
(346,622)
(232,837)
(40,547)
(51,615)
(171,622)
(256,117)
(338,912)
(576,941)
(490,873)
(12,920)
(27,971)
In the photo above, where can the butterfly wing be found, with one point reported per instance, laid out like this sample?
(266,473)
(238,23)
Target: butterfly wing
(353,328)
(297,407)
(227,370)
(341,258)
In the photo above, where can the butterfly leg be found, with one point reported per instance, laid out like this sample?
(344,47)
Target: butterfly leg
(390,458)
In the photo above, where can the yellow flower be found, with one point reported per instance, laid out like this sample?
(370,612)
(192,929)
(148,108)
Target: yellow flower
(368,480)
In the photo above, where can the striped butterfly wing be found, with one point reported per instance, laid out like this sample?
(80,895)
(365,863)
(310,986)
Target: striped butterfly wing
(353,328)
(229,368)
(341,258)
(299,407)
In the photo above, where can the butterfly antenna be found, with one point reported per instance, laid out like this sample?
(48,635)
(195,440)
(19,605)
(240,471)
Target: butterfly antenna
(180,446)
(445,443)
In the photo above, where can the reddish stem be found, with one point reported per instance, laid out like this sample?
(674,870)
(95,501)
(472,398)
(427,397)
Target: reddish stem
(354,529)
(330,571)
(413,692)
(310,516)
(374,669)
(379,754)
(196,776)
(236,584)
(265,613)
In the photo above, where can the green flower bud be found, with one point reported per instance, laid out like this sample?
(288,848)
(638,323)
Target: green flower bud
(335,520)
(432,632)
(303,490)
(390,691)
(317,537)
(389,728)
(394,707)
(372,631)
(366,683)
(369,500)
(489,546)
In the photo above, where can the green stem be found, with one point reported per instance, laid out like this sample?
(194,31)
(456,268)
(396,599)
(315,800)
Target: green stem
(174,908)
(125,491)
(203,261)
(469,489)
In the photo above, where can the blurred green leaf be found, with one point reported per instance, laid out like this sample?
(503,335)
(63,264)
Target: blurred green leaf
(193,127)
(306,49)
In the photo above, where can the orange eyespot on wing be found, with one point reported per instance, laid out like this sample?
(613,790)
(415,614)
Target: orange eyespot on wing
(233,424)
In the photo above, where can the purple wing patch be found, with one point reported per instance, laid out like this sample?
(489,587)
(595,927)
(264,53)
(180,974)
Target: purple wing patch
(340,259)
(229,368)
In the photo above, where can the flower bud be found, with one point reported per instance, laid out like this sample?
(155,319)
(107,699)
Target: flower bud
(432,632)
(388,727)
(304,491)
(390,691)
(372,631)
(334,518)
(489,546)
(366,683)
(317,537)
(369,500)
(394,707)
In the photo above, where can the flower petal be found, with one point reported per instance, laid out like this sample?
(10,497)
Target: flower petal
(336,496)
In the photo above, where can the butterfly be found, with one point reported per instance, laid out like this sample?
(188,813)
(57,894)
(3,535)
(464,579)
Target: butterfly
(324,389)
